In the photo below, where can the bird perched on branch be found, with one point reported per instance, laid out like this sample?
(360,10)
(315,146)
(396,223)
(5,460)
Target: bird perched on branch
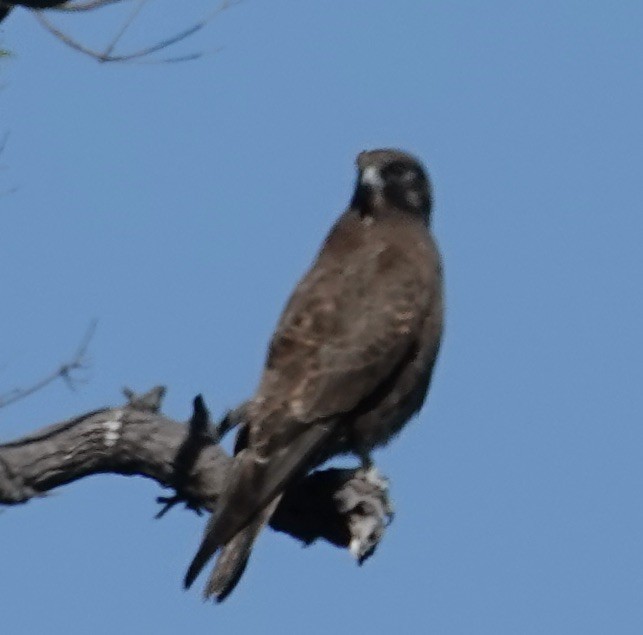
(350,360)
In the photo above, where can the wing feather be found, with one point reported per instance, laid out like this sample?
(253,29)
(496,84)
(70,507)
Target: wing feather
(343,332)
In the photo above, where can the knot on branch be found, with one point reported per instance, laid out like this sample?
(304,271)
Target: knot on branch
(149,401)
(13,489)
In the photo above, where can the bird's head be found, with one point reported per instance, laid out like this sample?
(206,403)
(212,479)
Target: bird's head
(391,179)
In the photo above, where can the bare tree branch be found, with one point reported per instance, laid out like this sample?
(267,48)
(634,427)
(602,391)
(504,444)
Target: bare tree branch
(349,508)
(108,54)
(64,371)
(84,6)
(55,5)
(119,34)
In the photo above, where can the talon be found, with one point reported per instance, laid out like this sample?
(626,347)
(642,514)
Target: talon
(170,501)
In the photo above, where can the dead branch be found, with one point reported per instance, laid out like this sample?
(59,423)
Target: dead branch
(348,508)
(108,53)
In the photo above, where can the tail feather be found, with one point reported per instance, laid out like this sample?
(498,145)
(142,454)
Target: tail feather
(233,558)
(254,484)
(258,481)
(206,550)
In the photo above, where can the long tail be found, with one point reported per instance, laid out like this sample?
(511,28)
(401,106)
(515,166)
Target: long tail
(256,485)
(233,558)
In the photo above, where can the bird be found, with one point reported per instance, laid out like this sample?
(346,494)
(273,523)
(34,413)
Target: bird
(349,363)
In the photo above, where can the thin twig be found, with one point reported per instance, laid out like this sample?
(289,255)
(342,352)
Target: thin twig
(64,372)
(66,7)
(84,6)
(137,56)
(119,34)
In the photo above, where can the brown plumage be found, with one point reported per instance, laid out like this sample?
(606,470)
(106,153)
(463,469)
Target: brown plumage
(350,360)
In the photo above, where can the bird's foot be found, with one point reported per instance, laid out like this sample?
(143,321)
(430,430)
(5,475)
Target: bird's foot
(169,502)
(232,419)
(366,503)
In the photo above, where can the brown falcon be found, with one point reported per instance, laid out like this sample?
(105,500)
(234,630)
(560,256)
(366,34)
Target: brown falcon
(350,360)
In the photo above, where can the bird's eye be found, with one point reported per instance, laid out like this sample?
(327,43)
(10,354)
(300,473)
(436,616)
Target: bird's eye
(401,171)
(396,169)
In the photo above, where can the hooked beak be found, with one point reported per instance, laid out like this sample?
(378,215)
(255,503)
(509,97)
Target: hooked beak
(371,176)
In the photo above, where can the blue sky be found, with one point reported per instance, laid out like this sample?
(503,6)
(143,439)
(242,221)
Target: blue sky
(179,205)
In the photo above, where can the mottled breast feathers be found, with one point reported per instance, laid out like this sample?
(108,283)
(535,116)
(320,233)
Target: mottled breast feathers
(352,319)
